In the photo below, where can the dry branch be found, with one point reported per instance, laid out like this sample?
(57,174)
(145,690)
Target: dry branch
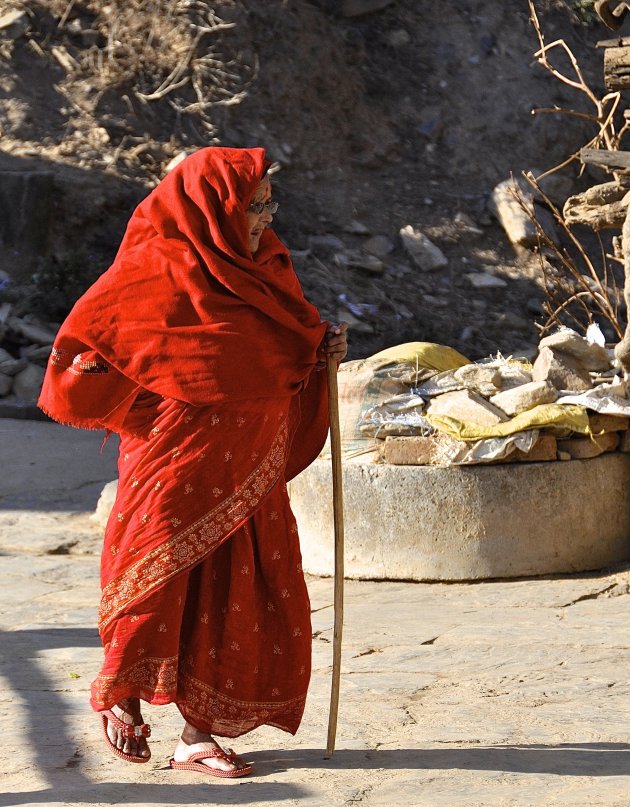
(576,281)
(600,207)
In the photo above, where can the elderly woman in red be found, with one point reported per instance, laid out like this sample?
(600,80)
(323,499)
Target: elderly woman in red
(198,348)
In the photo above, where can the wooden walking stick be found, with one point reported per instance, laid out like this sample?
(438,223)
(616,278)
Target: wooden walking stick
(335,449)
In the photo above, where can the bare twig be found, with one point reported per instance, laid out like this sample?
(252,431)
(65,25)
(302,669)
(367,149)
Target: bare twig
(605,107)
(66,14)
(596,290)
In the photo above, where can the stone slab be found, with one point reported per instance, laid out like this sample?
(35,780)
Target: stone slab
(607,423)
(545,449)
(583,448)
(468,523)
(409,450)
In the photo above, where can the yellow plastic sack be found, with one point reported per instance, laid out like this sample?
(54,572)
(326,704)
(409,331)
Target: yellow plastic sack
(565,418)
(424,354)
(366,382)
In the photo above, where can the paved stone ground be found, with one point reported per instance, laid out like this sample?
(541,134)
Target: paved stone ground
(510,694)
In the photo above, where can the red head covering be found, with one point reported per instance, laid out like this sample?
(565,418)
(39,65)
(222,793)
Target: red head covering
(186,310)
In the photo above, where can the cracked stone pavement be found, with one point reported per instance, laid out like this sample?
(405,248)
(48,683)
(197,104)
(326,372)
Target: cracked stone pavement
(508,693)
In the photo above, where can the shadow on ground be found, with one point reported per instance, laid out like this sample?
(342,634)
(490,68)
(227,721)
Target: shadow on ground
(61,767)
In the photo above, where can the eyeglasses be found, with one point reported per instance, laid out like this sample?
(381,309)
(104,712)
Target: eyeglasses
(258,207)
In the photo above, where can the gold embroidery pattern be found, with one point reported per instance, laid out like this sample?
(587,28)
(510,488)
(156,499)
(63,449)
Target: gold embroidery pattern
(188,547)
(153,674)
(58,356)
(225,712)
(79,366)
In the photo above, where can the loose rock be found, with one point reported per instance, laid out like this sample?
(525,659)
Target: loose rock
(379,245)
(325,241)
(424,252)
(28,382)
(14,24)
(37,355)
(525,397)
(354,324)
(468,407)
(512,203)
(29,330)
(564,372)
(510,376)
(6,382)
(465,223)
(10,365)
(359,260)
(356,228)
(590,355)
(482,280)
(479,377)
(399,38)
(582,448)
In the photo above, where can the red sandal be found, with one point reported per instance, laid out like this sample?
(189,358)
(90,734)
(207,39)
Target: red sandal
(193,763)
(127,730)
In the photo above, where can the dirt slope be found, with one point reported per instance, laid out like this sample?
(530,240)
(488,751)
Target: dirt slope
(406,115)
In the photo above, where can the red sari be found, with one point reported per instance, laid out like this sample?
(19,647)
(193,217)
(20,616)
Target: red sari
(202,358)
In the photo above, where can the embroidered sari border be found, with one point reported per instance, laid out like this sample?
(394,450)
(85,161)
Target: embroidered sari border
(155,676)
(188,547)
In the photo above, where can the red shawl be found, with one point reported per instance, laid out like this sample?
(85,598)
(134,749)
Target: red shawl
(185,310)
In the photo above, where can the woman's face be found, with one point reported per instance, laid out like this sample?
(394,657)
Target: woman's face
(256,222)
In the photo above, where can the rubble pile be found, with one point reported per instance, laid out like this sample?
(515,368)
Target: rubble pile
(572,402)
(25,345)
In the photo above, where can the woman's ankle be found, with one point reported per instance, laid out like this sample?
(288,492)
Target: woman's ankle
(192,735)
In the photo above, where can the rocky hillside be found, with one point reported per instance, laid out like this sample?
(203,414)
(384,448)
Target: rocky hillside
(380,115)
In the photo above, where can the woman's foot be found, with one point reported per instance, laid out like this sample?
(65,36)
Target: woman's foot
(128,711)
(201,741)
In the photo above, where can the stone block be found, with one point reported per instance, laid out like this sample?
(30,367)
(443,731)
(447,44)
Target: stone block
(468,407)
(583,448)
(564,372)
(545,449)
(409,450)
(608,423)
(527,396)
(590,355)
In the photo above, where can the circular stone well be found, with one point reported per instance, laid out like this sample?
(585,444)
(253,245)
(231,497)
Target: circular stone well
(418,522)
